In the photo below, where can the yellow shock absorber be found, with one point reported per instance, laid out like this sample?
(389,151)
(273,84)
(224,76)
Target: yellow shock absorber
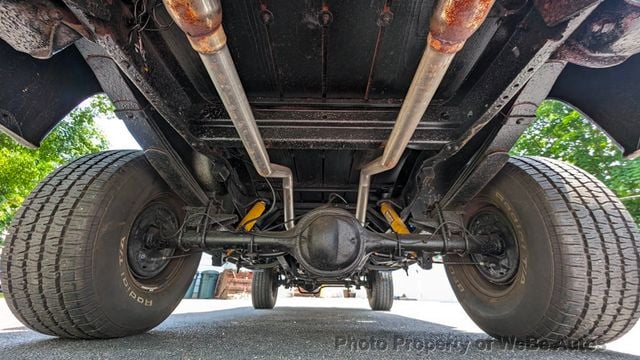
(249,220)
(394,220)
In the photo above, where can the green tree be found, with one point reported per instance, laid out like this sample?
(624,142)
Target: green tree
(561,132)
(21,168)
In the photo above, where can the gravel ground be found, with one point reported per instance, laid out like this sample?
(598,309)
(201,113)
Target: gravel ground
(303,328)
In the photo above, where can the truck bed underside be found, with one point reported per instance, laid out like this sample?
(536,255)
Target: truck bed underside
(326,79)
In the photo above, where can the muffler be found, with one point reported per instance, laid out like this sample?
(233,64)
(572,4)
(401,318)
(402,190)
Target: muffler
(201,20)
(452,23)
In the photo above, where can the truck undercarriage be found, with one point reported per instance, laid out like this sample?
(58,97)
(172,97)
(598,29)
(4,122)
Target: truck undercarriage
(326,143)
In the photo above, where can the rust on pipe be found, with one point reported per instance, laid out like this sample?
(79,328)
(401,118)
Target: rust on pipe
(201,20)
(453,22)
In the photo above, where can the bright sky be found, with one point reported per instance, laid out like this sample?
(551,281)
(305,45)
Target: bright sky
(117,134)
(114,130)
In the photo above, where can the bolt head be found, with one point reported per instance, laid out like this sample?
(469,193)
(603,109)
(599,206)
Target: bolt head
(386,17)
(267,17)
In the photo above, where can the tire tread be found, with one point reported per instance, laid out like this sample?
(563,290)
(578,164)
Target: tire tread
(48,285)
(600,251)
(262,296)
(381,293)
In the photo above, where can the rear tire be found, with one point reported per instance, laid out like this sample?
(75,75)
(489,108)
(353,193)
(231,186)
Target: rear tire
(576,281)
(380,290)
(70,267)
(264,289)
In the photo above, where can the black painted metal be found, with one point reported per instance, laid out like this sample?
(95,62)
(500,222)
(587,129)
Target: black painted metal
(514,66)
(494,153)
(330,242)
(607,96)
(325,139)
(162,154)
(39,28)
(36,94)
(146,260)
(499,268)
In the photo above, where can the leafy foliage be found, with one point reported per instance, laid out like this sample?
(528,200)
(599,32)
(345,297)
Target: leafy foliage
(563,133)
(21,168)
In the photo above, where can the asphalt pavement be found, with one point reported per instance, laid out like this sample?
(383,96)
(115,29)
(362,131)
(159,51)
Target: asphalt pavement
(298,328)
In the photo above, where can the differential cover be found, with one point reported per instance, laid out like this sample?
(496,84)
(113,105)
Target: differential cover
(331,243)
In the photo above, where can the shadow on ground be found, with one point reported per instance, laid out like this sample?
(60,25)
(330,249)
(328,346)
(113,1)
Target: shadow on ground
(285,332)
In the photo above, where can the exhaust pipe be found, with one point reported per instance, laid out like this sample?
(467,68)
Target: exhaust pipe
(201,20)
(452,23)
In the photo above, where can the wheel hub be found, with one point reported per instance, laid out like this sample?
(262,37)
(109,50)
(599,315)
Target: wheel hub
(499,268)
(146,257)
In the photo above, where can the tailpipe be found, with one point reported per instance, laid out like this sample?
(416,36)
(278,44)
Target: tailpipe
(201,21)
(452,23)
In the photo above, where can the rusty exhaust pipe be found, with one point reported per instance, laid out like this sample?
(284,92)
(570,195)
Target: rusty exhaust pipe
(201,20)
(452,23)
